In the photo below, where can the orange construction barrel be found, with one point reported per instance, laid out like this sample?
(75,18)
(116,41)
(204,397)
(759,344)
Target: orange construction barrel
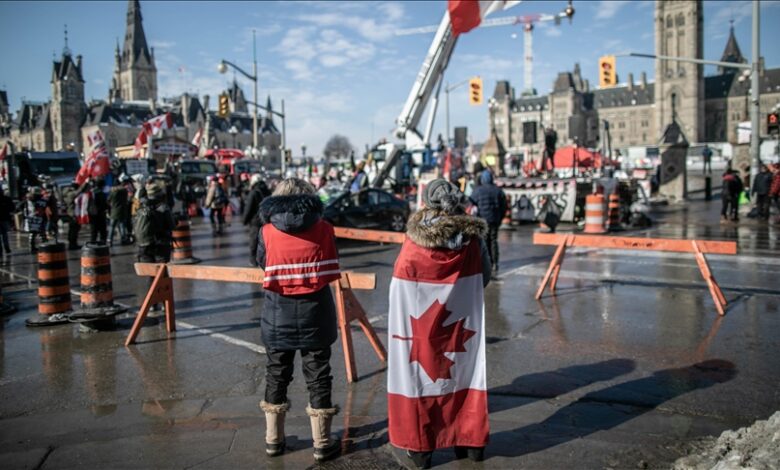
(613,213)
(182,244)
(594,214)
(97,289)
(54,303)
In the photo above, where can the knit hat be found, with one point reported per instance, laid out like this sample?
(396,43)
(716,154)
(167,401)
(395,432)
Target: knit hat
(154,190)
(441,194)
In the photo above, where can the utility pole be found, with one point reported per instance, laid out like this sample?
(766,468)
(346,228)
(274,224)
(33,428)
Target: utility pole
(755,124)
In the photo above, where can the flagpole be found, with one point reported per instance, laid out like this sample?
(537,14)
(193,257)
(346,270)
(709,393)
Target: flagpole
(254,73)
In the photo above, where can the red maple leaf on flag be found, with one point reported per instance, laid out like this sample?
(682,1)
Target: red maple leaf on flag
(431,339)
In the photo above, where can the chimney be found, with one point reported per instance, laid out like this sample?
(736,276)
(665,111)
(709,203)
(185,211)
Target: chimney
(78,62)
(587,86)
(630,82)
(643,80)
(206,103)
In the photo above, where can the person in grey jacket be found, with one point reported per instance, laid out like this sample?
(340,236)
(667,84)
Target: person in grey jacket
(761,186)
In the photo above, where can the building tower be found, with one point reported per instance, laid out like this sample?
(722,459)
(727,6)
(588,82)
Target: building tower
(731,53)
(137,71)
(679,86)
(68,110)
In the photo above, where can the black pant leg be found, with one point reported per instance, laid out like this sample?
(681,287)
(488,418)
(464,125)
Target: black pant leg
(492,243)
(73,233)
(725,201)
(316,371)
(278,375)
(254,231)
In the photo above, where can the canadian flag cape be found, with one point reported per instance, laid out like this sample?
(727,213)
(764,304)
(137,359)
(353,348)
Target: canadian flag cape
(437,395)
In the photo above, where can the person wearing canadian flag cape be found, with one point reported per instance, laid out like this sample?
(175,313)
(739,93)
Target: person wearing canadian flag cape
(436,385)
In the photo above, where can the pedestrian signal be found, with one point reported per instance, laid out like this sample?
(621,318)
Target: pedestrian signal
(773,122)
(224,105)
(607,72)
(475,91)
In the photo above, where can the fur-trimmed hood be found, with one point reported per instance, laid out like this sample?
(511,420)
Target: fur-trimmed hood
(291,213)
(431,228)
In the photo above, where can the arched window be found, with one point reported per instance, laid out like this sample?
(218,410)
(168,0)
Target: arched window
(680,20)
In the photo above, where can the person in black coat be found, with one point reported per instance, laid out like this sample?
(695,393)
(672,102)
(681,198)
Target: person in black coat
(6,218)
(98,221)
(761,185)
(303,318)
(491,206)
(251,216)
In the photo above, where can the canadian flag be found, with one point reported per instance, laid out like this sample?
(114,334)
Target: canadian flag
(198,137)
(436,386)
(158,123)
(140,141)
(466,15)
(3,152)
(81,209)
(96,164)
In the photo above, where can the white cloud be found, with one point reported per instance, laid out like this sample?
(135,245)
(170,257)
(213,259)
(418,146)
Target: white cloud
(299,68)
(607,9)
(550,31)
(392,11)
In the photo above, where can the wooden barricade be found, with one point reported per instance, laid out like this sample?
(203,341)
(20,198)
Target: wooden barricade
(347,305)
(698,247)
(370,235)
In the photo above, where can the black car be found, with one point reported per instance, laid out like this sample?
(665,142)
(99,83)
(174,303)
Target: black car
(369,209)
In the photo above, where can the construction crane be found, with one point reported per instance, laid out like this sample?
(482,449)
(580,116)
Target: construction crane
(427,86)
(528,22)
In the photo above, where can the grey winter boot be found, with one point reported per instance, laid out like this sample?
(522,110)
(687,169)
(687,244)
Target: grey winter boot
(274,427)
(325,447)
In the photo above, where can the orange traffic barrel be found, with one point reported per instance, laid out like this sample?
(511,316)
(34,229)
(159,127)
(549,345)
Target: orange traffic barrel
(182,244)
(5,308)
(613,213)
(53,286)
(97,290)
(594,214)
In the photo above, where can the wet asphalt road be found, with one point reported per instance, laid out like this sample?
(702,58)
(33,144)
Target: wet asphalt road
(622,369)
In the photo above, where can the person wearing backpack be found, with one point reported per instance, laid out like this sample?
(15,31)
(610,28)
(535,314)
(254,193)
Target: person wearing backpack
(35,216)
(216,200)
(153,226)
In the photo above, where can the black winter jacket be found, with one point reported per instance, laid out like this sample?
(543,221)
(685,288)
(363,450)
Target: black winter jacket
(762,183)
(490,201)
(251,214)
(295,322)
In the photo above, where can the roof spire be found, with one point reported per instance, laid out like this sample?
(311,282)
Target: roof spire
(66,50)
(731,53)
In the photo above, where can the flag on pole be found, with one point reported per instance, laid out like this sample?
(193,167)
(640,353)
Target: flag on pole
(96,163)
(436,386)
(159,123)
(196,141)
(140,141)
(466,15)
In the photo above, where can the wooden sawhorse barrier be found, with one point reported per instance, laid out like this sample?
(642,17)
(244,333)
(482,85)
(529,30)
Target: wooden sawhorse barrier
(347,305)
(698,247)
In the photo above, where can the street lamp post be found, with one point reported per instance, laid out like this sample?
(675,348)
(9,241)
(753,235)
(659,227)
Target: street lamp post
(223,68)
(447,90)
(233,131)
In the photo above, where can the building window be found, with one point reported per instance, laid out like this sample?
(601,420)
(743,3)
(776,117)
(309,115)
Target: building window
(680,20)
(669,21)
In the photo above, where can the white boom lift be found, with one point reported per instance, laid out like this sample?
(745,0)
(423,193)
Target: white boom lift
(429,79)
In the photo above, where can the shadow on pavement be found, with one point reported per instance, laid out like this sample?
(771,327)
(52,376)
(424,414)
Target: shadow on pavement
(605,409)
(551,384)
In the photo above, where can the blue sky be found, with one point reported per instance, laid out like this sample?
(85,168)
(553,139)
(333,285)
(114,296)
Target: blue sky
(338,65)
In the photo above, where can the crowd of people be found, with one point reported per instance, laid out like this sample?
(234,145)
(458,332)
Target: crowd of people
(764,192)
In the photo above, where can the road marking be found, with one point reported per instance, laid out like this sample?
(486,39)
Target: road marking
(228,339)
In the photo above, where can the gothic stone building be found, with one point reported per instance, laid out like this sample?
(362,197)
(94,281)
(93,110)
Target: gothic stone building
(707,108)
(65,121)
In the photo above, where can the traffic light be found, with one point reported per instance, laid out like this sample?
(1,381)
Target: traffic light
(224,105)
(607,72)
(475,91)
(773,122)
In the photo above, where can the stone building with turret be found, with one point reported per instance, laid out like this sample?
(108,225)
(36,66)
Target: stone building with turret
(707,108)
(65,121)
